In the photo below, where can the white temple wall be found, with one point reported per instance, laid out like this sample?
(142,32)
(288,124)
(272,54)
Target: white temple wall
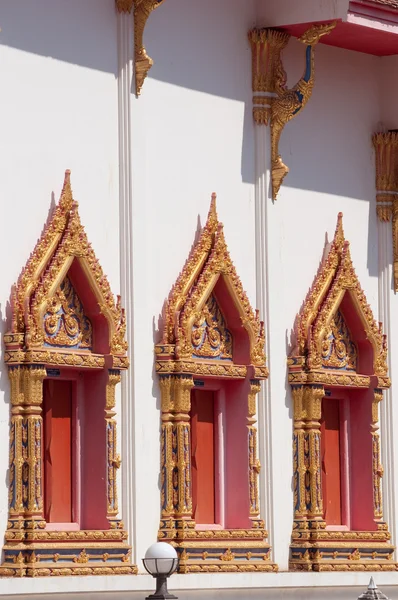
(389,91)
(58,111)
(191,126)
(389,411)
(192,135)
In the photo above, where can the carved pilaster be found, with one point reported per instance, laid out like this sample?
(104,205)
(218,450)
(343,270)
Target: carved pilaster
(25,491)
(184,506)
(167,465)
(254,463)
(176,446)
(278,104)
(378,470)
(124,6)
(113,458)
(308,502)
(386,148)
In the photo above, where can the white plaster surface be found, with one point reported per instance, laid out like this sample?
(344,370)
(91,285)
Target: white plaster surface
(191,134)
(287,12)
(58,64)
(389,91)
(296,585)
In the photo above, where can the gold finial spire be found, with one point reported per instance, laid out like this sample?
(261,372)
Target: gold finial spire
(339,233)
(66,199)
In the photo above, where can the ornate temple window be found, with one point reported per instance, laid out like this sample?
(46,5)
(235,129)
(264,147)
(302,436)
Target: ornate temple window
(210,364)
(65,353)
(337,372)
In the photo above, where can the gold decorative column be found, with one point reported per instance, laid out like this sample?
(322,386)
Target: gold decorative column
(273,102)
(308,503)
(267,69)
(254,463)
(175,452)
(25,488)
(113,458)
(386,147)
(377,466)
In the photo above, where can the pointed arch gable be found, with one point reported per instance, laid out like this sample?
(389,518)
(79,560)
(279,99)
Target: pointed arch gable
(63,241)
(190,272)
(346,281)
(337,373)
(335,278)
(41,254)
(320,287)
(209,260)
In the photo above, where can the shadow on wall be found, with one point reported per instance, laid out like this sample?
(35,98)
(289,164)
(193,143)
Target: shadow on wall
(203,46)
(82,33)
(328,147)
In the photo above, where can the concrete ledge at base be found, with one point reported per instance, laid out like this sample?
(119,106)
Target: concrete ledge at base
(321,583)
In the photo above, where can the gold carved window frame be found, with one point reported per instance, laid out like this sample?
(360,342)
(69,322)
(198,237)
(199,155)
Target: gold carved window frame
(30,549)
(206,550)
(312,546)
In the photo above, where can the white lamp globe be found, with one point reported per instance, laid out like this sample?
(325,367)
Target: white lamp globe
(161,559)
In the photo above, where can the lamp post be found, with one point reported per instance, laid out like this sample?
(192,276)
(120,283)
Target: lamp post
(160,561)
(372,593)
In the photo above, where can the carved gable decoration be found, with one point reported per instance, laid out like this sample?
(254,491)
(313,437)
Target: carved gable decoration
(195,328)
(47,313)
(210,336)
(65,324)
(338,350)
(323,344)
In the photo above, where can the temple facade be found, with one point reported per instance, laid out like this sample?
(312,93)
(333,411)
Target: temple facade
(198,293)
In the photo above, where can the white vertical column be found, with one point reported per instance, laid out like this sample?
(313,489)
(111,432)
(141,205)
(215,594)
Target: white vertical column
(387,412)
(125,74)
(262,200)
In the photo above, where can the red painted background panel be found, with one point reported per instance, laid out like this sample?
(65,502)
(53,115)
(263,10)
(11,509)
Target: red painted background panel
(58,451)
(202,440)
(331,464)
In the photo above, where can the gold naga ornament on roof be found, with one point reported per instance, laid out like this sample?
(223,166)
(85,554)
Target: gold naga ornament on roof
(142,11)
(275,103)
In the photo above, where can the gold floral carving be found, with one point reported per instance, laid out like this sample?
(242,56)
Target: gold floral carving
(338,350)
(269,76)
(267,45)
(336,276)
(143,62)
(196,341)
(210,336)
(124,6)
(386,149)
(62,241)
(325,354)
(208,261)
(65,323)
